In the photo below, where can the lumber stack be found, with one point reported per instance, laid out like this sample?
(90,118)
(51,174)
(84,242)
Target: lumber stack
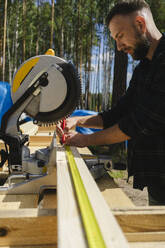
(54,219)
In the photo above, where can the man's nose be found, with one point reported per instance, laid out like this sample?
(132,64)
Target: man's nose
(119,45)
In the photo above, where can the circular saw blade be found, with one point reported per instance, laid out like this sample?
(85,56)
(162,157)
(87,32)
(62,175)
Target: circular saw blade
(55,101)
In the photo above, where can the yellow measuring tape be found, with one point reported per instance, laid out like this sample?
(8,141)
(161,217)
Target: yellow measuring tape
(92,230)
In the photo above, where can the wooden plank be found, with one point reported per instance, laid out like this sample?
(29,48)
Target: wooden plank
(69,226)
(142,224)
(18,201)
(141,221)
(112,234)
(116,197)
(31,246)
(84,151)
(45,134)
(147,245)
(70,233)
(145,237)
(113,195)
(40,140)
(28,227)
(46,129)
(29,128)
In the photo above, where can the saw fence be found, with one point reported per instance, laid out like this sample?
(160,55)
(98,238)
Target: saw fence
(53,219)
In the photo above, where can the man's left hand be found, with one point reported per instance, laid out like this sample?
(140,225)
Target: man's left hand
(73,138)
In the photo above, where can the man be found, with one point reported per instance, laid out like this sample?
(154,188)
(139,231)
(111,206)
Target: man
(139,116)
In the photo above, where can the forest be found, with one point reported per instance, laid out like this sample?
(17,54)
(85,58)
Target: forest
(76,30)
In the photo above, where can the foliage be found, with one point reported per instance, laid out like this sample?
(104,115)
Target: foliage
(79,35)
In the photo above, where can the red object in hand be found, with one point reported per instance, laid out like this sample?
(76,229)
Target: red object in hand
(63,126)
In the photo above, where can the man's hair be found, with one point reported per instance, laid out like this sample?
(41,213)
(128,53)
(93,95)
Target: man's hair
(126,7)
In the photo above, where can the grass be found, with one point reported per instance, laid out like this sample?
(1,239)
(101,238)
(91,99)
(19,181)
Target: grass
(117,174)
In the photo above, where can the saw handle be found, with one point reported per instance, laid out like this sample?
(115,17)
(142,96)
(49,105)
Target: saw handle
(63,136)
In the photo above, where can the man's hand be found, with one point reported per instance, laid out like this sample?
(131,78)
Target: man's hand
(70,123)
(73,138)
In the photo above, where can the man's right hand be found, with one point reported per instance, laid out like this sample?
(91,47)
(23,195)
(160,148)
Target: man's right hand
(70,123)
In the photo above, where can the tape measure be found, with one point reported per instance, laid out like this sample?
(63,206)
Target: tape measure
(92,230)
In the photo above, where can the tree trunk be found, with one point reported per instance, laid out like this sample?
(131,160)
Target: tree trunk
(77,38)
(78,45)
(4,42)
(1,45)
(9,56)
(120,76)
(104,84)
(89,54)
(16,44)
(38,30)
(24,31)
(98,80)
(61,35)
(107,64)
(52,26)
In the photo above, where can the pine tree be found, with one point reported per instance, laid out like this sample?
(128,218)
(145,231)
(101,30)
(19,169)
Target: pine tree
(4,41)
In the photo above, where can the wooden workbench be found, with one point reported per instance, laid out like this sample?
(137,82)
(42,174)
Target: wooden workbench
(26,223)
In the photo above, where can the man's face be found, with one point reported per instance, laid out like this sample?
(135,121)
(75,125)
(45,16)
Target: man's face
(128,38)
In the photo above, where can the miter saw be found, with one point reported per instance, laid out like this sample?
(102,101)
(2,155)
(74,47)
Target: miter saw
(46,88)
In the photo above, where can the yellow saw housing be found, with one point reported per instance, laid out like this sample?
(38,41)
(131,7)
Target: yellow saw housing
(58,98)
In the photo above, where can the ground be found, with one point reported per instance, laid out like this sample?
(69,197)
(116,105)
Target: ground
(138,197)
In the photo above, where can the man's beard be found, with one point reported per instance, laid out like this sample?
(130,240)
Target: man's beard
(141,48)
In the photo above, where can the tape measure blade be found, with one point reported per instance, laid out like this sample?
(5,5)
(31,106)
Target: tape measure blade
(92,230)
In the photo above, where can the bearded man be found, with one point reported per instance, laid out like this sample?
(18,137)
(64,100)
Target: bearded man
(139,116)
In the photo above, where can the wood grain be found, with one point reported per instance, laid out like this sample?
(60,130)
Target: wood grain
(69,221)
(28,227)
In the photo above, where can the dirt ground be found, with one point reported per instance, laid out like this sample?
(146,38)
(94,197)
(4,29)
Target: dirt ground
(138,197)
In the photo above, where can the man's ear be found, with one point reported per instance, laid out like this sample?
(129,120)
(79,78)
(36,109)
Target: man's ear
(140,23)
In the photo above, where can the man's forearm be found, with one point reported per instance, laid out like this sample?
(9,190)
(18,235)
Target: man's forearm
(90,121)
(107,136)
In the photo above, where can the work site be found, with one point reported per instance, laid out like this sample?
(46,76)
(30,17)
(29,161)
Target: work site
(82,120)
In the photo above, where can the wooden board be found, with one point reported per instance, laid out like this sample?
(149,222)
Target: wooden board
(113,195)
(147,245)
(69,221)
(28,227)
(29,128)
(18,201)
(141,221)
(39,140)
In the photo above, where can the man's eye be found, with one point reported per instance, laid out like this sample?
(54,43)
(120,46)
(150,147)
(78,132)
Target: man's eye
(120,36)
